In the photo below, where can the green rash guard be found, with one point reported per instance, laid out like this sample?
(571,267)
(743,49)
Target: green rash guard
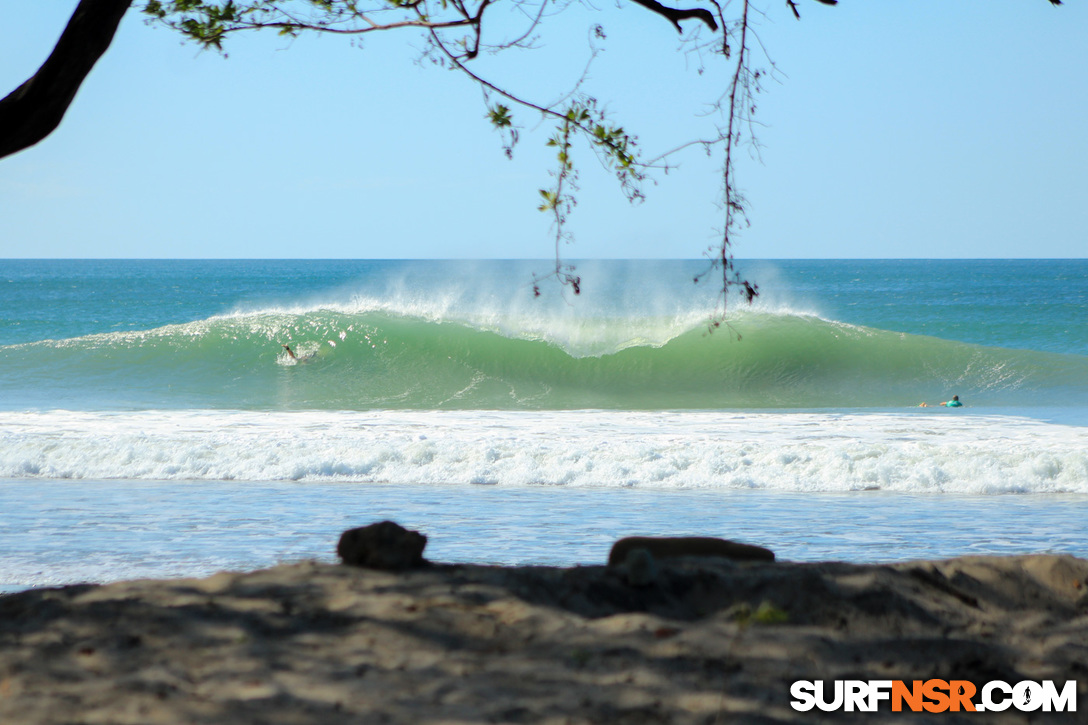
(953,404)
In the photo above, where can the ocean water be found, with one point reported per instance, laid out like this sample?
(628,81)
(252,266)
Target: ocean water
(152,424)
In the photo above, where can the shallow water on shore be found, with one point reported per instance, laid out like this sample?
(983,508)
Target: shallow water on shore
(58,533)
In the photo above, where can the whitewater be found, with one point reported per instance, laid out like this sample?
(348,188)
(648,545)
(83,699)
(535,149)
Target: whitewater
(152,424)
(921,453)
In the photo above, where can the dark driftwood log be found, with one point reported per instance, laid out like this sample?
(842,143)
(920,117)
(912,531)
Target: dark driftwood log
(670,547)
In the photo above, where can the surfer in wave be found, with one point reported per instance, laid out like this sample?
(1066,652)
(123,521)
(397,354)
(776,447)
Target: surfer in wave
(295,357)
(954,403)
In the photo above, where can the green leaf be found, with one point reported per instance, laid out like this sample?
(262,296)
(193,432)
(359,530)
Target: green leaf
(500,116)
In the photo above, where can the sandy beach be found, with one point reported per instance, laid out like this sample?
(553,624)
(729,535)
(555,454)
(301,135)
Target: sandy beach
(701,640)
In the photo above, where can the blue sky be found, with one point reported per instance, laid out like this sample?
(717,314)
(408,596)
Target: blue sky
(896,129)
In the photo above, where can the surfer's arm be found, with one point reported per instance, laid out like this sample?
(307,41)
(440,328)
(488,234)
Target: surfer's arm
(288,349)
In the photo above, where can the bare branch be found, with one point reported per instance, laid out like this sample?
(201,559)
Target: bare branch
(674,15)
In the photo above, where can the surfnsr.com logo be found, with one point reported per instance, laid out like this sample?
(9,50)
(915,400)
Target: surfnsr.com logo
(933,696)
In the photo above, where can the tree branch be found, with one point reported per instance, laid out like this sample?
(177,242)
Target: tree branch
(33,110)
(675,15)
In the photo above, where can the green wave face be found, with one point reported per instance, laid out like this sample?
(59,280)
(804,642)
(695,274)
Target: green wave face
(375,359)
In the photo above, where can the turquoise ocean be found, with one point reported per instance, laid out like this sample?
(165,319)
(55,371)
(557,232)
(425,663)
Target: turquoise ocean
(152,424)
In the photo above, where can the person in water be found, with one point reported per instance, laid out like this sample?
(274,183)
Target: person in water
(954,403)
(299,358)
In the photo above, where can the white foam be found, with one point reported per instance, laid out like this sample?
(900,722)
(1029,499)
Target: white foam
(939,452)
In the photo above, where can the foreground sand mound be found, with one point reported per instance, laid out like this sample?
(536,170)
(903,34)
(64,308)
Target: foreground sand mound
(707,641)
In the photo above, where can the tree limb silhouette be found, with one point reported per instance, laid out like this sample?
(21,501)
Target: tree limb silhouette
(35,109)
